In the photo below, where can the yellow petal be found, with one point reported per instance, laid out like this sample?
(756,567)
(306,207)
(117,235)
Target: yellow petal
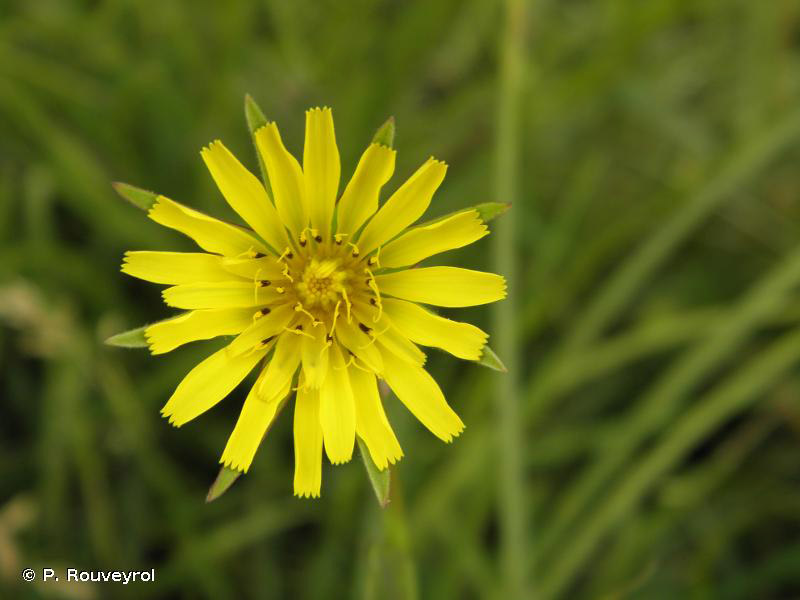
(421,242)
(315,356)
(307,444)
(245,193)
(255,268)
(393,342)
(360,344)
(404,207)
(337,410)
(234,294)
(360,198)
(175,267)
(443,286)
(210,234)
(196,325)
(285,177)
(423,327)
(372,425)
(388,339)
(422,396)
(269,322)
(208,383)
(320,168)
(251,426)
(281,367)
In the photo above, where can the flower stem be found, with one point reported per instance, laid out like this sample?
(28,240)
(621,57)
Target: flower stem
(513,529)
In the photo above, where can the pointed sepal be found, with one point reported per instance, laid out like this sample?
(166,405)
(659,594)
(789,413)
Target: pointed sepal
(139,197)
(490,360)
(133,338)
(491,210)
(255,121)
(225,479)
(380,480)
(253,113)
(385,134)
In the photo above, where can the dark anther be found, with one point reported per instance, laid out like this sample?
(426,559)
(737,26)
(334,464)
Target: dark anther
(299,328)
(264,311)
(328,337)
(339,242)
(303,243)
(364,328)
(318,238)
(259,255)
(290,256)
(355,253)
(372,260)
(367,281)
(373,302)
(263,283)
(268,340)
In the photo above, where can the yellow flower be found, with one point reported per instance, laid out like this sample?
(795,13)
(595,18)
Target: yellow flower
(321,294)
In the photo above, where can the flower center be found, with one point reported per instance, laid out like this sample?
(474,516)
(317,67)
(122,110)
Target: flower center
(322,283)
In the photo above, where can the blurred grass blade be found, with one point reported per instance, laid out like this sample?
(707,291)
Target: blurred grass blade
(735,394)
(222,483)
(490,359)
(140,198)
(385,134)
(511,480)
(768,297)
(133,338)
(380,480)
(747,160)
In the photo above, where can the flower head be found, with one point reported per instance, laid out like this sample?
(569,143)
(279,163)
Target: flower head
(321,297)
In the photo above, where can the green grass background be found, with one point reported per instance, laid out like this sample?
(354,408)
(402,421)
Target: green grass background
(646,444)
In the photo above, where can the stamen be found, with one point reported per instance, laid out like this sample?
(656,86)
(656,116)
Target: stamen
(287,253)
(298,331)
(299,308)
(347,364)
(286,273)
(256,286)
(373,285)
(339,238)
(347,304)
(364,328)
(374,337)
(355,249)
(264,283)
(335,316)
(377,257)
(358,366)
(260,313)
